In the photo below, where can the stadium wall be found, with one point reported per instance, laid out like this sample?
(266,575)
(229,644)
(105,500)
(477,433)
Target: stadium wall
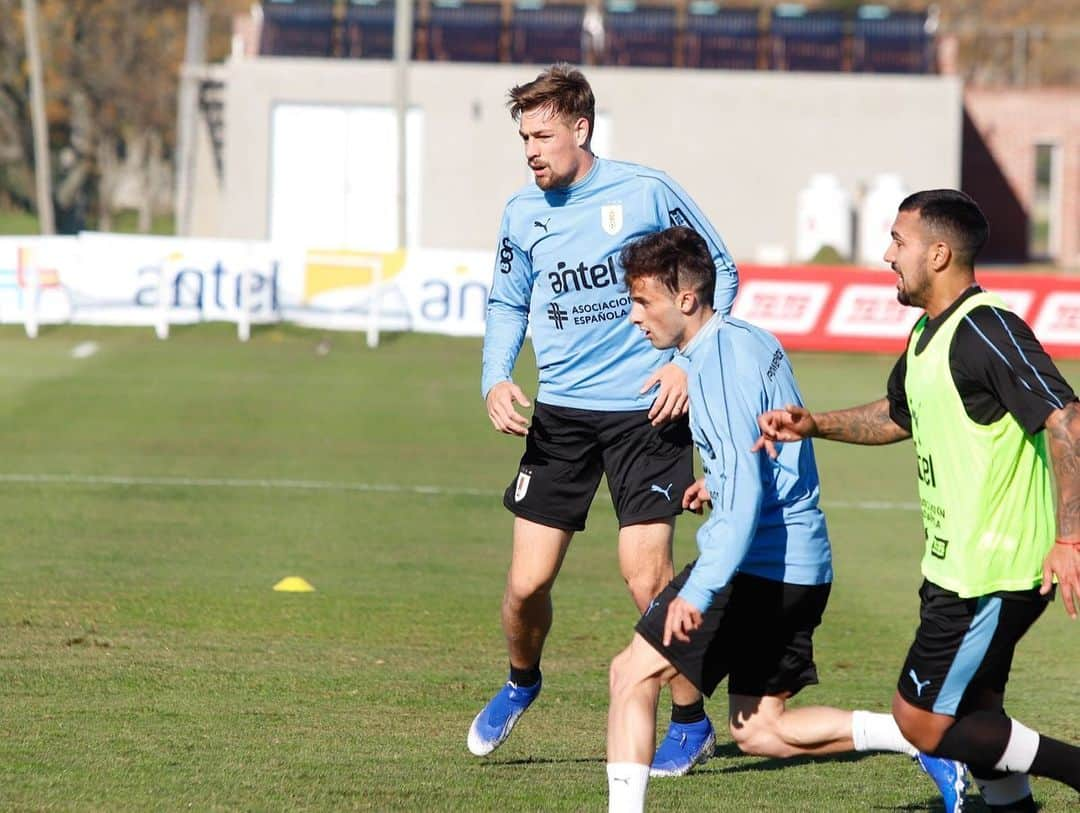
(742,143)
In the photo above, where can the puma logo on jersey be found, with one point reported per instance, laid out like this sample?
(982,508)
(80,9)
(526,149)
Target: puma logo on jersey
(919,684)
(538,225)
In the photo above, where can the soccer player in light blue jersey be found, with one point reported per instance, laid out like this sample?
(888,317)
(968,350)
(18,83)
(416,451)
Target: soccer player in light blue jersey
(748,607)
(608,403)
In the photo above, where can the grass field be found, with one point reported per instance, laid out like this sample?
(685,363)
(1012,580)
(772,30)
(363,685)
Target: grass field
(126,221)
(152,493)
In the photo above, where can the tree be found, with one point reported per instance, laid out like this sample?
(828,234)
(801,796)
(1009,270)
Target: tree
(111,69)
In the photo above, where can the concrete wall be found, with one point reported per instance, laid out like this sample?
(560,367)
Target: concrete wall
(742,143)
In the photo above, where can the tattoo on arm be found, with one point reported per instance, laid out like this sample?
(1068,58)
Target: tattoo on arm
(1063,436)
(869,425)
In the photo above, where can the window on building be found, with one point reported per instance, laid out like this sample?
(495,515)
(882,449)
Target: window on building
(1045,219)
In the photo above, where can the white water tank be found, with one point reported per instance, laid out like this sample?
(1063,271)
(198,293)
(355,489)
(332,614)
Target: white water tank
(823,218)
(876,216)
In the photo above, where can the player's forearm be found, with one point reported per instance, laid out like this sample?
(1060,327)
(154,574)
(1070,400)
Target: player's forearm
(1063,435)
(869,425)
(503,336)
(720,554)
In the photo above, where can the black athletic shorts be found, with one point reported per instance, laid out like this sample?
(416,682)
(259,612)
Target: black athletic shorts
(964,645)
(758,632)
(567,450)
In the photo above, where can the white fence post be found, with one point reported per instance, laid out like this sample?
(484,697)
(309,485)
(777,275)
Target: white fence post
(243,299)
(32,283)
(374,302)
(164,303)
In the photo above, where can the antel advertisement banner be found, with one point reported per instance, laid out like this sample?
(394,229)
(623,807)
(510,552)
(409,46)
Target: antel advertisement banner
(129,280)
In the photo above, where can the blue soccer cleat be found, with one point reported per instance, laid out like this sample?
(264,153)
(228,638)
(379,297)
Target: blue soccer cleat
(493,724)
(950,777)
(686,745)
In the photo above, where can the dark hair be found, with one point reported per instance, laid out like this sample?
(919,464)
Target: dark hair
(678,257)
(953,216)
(561,87)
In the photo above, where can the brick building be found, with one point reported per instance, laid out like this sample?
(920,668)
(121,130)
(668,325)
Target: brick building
(1021,161)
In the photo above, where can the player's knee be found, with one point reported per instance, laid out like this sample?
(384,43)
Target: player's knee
(912,725)
(756,737)
(644,589)
(645,578)
(617,672)
(632,678)
(524,587)
(925,741)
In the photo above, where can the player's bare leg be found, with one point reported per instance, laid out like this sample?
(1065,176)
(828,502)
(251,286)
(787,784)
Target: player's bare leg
(645,561)
(764,726)
(637,673)
(990,742)
(526,609)
(526,618)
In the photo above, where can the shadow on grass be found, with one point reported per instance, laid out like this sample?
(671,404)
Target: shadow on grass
(513,763)
(731,751)
(972,804)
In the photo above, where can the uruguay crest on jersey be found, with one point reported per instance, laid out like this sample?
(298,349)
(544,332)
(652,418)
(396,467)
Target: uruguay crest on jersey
(611,218)
(522,487)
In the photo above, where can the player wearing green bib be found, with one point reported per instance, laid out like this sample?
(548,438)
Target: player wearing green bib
(990,415)
(992,532)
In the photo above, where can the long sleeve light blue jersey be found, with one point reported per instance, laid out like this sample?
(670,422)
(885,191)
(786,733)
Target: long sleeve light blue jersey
(765,518)
(557,268)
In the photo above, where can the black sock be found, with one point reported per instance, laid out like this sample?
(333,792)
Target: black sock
(691,713)
(1057,760)
(524,678)
(978,739)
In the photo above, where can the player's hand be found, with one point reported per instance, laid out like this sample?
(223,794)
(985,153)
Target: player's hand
(791,423)
(1063,561)
(696,497)
(682,619)
(500,408)
(673,396)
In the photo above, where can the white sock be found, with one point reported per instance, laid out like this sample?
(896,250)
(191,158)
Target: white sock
(1021,750)
(878,732)
(1003,791)
(626,782)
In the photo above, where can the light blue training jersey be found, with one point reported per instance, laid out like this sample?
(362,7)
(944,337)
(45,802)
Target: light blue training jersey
(557,268)
(765,518)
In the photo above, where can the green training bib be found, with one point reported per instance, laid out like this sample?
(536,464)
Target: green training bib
(985,493)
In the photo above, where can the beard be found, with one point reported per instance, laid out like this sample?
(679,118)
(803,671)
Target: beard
(552,181)
(914,297)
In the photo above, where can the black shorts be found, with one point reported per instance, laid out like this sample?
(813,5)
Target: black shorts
(567,450)
(964,645)
(757,631)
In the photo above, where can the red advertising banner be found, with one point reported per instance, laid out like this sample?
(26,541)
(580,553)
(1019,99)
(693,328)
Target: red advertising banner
(855,310)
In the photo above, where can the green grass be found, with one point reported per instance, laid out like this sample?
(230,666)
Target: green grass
(18,223)
(146,663)
(13,222)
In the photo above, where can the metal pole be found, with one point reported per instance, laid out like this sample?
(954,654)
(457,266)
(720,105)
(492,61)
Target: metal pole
(42,165)
(403,28)
(187,114)
(1020,56)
